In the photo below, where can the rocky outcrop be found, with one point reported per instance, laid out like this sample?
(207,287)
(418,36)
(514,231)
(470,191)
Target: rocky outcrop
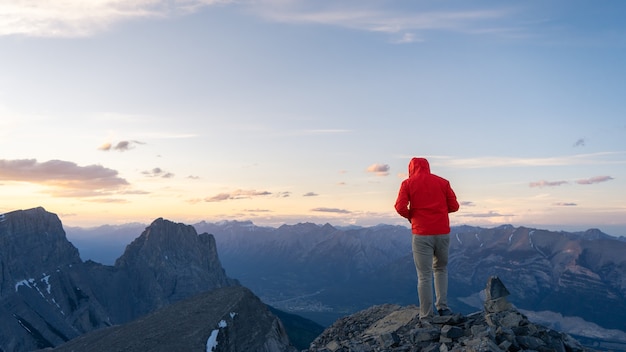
(49,296)
(499,327)
(44,296)
(228,319)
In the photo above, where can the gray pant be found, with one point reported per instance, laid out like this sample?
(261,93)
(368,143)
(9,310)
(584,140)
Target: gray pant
(430,254)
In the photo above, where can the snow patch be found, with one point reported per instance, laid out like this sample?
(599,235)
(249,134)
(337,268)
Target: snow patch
(25,282)
(211,343)
(479,240)
(46,279)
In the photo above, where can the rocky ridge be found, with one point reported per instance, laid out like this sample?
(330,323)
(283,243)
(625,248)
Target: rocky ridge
(225,319)
(499,327)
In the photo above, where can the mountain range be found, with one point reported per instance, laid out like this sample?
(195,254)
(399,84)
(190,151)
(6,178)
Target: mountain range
(575,281)
(572,281)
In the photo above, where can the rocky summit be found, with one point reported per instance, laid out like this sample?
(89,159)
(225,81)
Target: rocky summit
(498,327)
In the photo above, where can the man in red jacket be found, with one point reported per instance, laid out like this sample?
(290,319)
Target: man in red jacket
(426,199)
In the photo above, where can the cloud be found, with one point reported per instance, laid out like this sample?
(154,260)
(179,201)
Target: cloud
(121,146)
(258,210)
(564,204)
(580,143)
(407,38)
(544,183)
(331,210)
(158,172)
(80,18)
(310,194)
(379,169)
(66,178)
(238,194)
(468,204)
(403,24)
(489,214)
(600,158)
(592,180)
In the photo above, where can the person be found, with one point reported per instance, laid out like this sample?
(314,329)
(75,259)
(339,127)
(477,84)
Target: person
(426,199)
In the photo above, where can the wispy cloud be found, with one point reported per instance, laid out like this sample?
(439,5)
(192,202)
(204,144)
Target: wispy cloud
(468,204)
(121,146)
(565,204)
(79,18)
(489,214)
(492,162)
(66,178)
(379,169)
(580,143)
(331,210)
(257,210)
(369,16)
(592,180)
(158,172)
(544,183)
(310,194)
(238,194)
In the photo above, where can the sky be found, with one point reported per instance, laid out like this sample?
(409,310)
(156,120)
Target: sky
(288,111)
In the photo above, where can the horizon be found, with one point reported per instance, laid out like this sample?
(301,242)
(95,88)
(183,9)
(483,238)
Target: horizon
(555,228)
(295,111)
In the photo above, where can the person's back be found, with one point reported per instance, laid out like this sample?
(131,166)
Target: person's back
(426,199)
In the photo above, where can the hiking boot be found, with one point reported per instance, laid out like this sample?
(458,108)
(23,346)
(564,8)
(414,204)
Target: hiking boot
(445,311)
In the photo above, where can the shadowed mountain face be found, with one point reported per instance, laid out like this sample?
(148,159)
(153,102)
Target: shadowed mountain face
(49,296)
(230,319)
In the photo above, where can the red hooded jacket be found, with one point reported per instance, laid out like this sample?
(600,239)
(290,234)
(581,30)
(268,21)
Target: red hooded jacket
(426,199)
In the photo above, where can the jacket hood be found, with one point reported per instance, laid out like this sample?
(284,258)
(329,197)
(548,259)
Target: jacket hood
(418,165)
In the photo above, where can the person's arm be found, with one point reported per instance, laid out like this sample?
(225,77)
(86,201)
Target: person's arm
(402,202)
(453,204)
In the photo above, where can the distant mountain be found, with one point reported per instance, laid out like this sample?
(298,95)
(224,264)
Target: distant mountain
(103,244)
(323,273)
(48,295)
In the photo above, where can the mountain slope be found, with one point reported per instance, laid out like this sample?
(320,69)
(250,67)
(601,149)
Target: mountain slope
(230,318)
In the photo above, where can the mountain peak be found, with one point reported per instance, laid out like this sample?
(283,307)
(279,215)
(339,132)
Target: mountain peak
(37,234)
(171,262)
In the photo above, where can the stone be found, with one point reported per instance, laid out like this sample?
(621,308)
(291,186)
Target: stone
(452,332)
(389,339)
(492,330)
(495,289)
